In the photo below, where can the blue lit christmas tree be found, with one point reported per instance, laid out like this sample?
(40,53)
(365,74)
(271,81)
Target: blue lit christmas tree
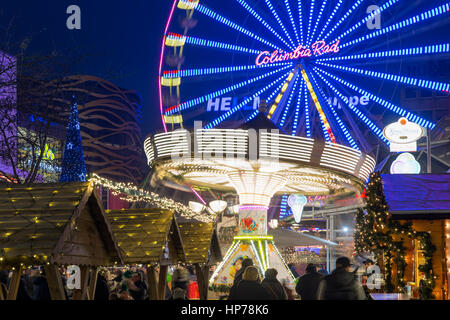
(73,166)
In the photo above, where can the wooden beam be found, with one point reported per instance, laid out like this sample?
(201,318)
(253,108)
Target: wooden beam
(80,294)
(14,284)
(202,273)
(2,297)
(92,283)
(152,283)
(162,282)
(55,284)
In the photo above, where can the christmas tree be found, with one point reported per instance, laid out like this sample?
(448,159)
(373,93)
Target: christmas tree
(73,166)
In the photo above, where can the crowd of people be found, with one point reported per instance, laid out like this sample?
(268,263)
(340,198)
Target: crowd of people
(112,284)
(341,284)
(130,284)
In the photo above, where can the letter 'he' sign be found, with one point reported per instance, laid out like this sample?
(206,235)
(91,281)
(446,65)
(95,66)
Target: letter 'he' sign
(318,48)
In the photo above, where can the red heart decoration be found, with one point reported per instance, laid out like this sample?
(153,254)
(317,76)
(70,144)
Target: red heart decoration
(247,222)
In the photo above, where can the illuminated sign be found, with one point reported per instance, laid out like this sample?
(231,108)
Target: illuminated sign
(318,48)
(403,135)
(297,203)
(405,163)
(224,104)
(352,100)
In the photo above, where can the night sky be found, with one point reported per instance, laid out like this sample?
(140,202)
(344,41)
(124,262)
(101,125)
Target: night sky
(119,40)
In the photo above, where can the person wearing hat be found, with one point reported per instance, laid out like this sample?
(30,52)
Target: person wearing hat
(341,284)
(273,287)
(308,284)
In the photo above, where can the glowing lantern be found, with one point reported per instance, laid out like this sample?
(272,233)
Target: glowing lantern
(218,206)
(197,207)
(297,203)
(273,224)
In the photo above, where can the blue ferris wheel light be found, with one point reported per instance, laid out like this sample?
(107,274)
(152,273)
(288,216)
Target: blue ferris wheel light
(271,32)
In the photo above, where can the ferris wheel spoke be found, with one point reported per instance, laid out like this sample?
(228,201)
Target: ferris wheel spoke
(300,18)
(214,15)
(416,51)
(220,70)
(291,17)
(194,102)
(275,14)
(268,98)
(263,22)
(421,83)
(429,14)
(311,12)
(289,102)
(226,115)
(322,8)
(386,104)
(302,98)
(344,17)
(370,16)
(369,123)
(219,45)
(335,10)
(341,124)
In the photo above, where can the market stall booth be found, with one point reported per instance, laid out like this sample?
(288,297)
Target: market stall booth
(149,237)
(202,249)
(423,201)
(52,225)
(405,225)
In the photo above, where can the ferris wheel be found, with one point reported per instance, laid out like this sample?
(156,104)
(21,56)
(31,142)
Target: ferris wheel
(325,68)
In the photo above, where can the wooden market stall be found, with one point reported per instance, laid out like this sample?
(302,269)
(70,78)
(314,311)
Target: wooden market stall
(422,201)
(150,237)
(51,225)
(202,249)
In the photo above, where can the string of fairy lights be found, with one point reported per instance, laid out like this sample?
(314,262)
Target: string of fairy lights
(132,193)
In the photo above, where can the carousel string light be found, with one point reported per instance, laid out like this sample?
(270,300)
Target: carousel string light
(132,193)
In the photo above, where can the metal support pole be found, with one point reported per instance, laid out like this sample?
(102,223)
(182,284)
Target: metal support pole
(428,150)
(328,247)
(332,249)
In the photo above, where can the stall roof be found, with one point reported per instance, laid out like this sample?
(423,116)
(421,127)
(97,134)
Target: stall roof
(417,194)
(288,238)
(61,223)
(144,234)
(200,242)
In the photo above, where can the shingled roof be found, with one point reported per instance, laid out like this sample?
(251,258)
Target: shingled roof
(62,223)
(144,234)
(200,242)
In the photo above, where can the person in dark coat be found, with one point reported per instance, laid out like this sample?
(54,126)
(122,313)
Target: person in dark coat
(22,292)
(102,292)
(249,288)
(273,287)
(238,276)
(142,288)
(341,284)
(308,284)
(41,291)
